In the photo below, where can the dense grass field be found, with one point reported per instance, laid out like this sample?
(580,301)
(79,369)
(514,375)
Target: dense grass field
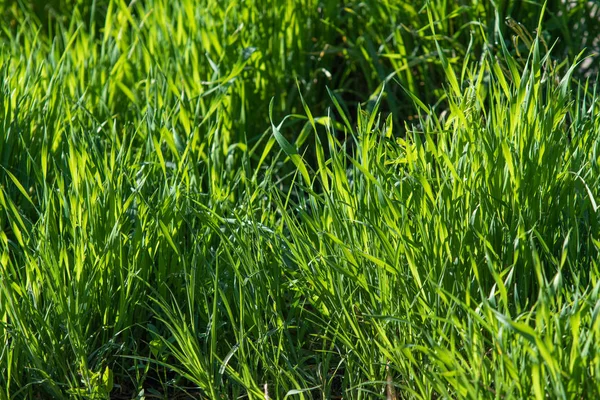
(300,199)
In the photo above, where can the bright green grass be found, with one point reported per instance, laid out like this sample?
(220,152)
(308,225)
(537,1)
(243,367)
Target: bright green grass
(208,202)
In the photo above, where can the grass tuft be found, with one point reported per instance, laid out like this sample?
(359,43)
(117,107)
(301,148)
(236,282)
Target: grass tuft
(296,199)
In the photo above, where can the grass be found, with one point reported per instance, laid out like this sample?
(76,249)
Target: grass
(292,199)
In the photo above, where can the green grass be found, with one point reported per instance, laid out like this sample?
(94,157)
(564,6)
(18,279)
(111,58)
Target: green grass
(298,198)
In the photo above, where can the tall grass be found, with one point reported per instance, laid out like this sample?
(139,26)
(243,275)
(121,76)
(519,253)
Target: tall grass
(299,200)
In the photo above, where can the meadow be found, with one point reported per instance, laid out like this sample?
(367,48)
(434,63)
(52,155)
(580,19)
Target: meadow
(299,199)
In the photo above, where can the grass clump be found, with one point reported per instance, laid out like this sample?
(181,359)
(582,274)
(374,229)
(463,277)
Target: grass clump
(261,200)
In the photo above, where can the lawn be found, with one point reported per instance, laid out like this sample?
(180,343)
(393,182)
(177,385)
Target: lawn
(299,199)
